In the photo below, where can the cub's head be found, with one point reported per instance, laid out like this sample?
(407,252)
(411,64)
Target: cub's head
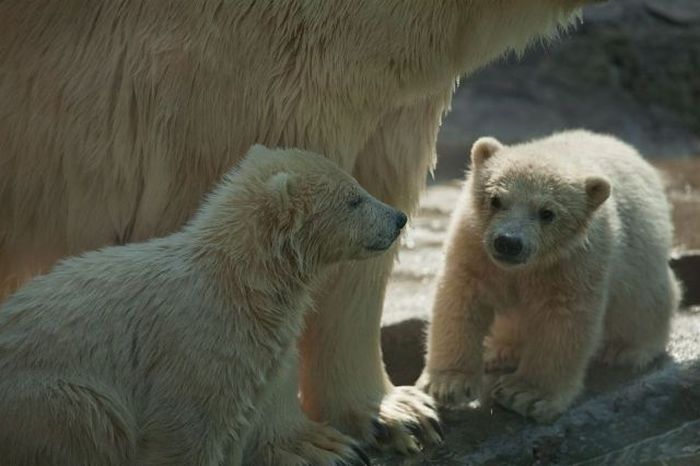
(530,207)
(303,207)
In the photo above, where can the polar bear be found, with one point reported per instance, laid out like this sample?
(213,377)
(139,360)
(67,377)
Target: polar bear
(560,247)
(162,352)
(118,116)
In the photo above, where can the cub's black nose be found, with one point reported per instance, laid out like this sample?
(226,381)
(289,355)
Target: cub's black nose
(508,245)
(401,220)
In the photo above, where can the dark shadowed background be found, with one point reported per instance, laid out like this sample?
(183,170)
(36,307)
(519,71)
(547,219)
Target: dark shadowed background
(632,69)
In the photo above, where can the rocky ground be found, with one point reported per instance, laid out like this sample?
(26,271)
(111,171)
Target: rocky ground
(624,418)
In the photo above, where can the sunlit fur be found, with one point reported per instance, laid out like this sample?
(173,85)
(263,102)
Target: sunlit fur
(164,352)
(117,115)
(595,278)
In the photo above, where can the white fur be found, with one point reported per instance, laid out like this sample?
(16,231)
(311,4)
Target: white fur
(119,115)
(595,278)
(165,352)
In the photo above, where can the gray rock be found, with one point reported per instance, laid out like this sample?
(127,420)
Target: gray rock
(687,265)
(630,69)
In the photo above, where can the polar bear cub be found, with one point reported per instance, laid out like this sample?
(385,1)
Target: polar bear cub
(557,250)
(160,352)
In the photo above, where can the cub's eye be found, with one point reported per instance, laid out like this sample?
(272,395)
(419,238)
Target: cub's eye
(546,215)
(496,202)
(355,202)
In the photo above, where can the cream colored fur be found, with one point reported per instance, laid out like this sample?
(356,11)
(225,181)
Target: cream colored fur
(119,114)
(165,352)
(595,278)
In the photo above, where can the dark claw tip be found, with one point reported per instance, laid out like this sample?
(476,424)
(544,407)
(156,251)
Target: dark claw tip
(437,427)
(381,432)
(362,455)
(414,428)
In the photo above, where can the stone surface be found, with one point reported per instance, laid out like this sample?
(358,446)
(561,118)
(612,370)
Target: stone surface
(624,417)
(630,69)
(687,265)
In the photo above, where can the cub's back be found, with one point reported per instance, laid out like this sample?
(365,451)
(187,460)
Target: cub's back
(638,192)
(92,309)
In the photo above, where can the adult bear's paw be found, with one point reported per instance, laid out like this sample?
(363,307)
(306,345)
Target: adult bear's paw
(312,444)
(406,420)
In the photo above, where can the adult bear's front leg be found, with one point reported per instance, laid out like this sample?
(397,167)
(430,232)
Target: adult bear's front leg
(344,381)
(343,377)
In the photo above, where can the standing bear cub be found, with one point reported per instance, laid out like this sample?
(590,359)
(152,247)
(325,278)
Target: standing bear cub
(162,352)
(557,251)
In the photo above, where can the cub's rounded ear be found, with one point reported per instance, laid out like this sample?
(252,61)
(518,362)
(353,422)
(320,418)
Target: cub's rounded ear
(483,149)
(597,190)
(281,184)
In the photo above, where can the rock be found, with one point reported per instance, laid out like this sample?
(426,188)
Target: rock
(676,13)
(629,69)
(686,264)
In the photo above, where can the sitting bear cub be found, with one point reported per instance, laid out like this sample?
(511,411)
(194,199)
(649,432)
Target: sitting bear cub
(162,352)
(558,251)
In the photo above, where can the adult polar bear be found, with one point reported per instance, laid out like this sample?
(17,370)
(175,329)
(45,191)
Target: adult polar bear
(116,116)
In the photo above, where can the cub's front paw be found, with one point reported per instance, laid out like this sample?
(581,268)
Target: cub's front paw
(499,358)
(450,387)
(405,420)
(514,393)
(312,444)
